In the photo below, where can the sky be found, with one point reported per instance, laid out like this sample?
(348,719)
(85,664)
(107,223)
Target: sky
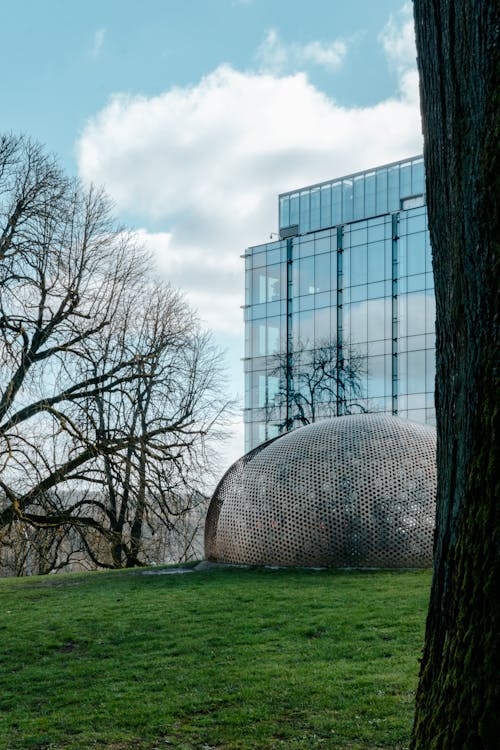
(196,114)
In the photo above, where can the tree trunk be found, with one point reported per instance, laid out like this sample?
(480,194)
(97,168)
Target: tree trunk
(458,57)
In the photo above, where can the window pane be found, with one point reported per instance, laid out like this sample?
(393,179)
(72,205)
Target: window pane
(415,247)
(376,255)
(258,286)
(416,372)
(376,377)
(416,313)
(285,211)
(336,203)
(306,275)
(315,208)
(273,283)
(304,211)
(322,272)
(405,180)
(347,200)
(305,338)
(273,336)
(417,177)
(326,206)
(294,208)
(375,315)
(393,191)
(359,197)
(258,338)
(358,320)
(370,194)
(322,326)
(381,180)
(358,265)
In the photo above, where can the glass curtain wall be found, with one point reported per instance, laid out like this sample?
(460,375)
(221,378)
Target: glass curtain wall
(361,286)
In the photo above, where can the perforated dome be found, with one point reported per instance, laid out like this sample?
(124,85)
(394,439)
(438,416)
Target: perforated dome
(355,491)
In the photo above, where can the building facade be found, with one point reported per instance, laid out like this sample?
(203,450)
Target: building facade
(339,311)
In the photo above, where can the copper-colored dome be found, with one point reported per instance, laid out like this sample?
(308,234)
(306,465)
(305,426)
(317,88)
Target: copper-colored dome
(355,491)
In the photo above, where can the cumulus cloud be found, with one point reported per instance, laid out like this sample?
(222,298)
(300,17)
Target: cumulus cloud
(208,161)
(274,55)
(398,40)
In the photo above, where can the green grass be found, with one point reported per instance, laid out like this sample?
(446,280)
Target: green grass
(228,659)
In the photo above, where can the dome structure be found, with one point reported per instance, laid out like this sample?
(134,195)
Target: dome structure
(354,491)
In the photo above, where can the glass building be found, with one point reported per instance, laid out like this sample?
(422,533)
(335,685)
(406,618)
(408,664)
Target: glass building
(351,275)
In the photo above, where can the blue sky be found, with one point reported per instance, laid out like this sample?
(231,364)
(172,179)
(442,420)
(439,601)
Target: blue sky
(196,114)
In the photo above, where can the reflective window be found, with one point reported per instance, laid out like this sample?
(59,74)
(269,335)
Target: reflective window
(416,313)
(259,258)
(323,299)
(285,211)
(273,283)
(393,188)
(258,286)
(358,293)
(306,248)
(376,315)
(415,248)
(326,206)
(370,209)
(375,230)
(416,372)
(273,387)
(430,312)
(322,326)
(381,198)
(322,272)
(274,255)
(305,268)
(347,199)
(365,301)
(336,203)
(359,234)
(305,211)
(405,180)
(376,256)
(294,208)
(416,223)
(322,245)
(358,265)
(305,330)
(376,290)
(258,338)
(359,197)
(417,177)
(430,370)
(415,283)
(273,336)
(376,377)
(358,322)
(315,222)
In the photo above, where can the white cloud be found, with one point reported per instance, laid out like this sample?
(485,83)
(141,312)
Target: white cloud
(398,40)
(97,43)
(275,55)
(208,162)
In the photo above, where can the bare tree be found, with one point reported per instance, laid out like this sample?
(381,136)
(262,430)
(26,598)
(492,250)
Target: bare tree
(164,420)
(97,367)
(459,61)
(316,382)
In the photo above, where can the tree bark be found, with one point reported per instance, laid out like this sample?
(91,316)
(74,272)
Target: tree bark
(458,58)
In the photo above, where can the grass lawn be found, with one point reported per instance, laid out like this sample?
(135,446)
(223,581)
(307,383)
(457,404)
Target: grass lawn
(227,659)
